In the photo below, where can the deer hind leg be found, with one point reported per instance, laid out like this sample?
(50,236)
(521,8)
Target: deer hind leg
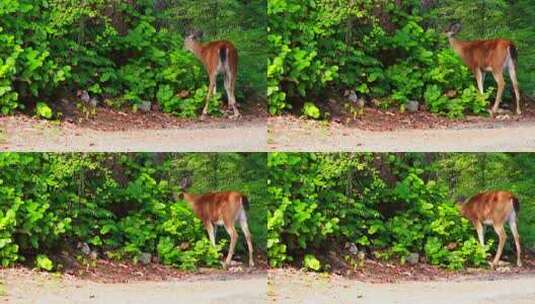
(233,239)
(502,237)
(247,233)
(230,82)
(512,75)
(514,230)
(498,76)
(211,92)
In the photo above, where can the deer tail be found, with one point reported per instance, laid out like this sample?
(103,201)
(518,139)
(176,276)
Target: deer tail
(245,202)
(516,204)
(514,52)
(223,55)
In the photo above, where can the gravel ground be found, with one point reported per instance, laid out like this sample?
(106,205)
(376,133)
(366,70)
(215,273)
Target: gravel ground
(287,134)
(288,287)
(22,134)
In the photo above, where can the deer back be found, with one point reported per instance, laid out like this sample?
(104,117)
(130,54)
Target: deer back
(218,206)
(485,54)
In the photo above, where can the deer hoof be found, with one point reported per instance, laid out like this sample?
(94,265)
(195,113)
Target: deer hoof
(518,113)
(519,264)
(236,116)
(203,117)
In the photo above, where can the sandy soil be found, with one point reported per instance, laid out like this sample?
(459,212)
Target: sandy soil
(290,134)
(299,287)
(26,134)
(22,287)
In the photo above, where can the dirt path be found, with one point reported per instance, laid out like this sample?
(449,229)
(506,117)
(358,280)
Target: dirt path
(22,287)
(299,135)
(305,288)
(20,134)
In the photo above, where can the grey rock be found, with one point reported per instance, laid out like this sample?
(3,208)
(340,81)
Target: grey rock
(353,97)
(84,96)
(413,258)
(412,106)
(145,106)
(84,248)
(93,102)
(145,258)
(353,249)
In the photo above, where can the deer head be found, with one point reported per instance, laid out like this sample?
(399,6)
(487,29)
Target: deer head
(453,29)
(192,40)
(184,184)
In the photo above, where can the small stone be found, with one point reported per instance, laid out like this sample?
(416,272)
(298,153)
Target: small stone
(503,269)
(145,258)
(353,97)
(145,106)
(412,106)
(353,249)
(413,258)
(375,102)
(184,246)
(85,248)
(84,96)
(93,102)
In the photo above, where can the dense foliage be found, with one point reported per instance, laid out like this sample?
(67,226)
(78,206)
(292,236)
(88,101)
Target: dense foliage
(391,205)
(121,205)
(388,50)
(124,52)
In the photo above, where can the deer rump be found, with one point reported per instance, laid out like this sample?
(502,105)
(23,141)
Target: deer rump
(491,206)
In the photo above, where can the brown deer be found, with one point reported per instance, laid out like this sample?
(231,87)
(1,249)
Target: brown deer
(494,208)
(217,57)
(487,56)
(223,209)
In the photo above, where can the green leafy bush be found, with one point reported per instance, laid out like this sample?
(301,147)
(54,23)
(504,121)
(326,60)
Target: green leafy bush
(121,205)
(387,50)
(382,203)
(122,51)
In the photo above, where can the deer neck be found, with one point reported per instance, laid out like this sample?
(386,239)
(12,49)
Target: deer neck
(191,199)
(457,46)
(196,49)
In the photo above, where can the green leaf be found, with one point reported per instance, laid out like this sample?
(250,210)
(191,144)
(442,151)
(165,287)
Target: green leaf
(43,262)
(311,262)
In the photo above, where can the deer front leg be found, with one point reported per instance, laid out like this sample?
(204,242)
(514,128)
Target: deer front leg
(211,232)
(233,239)
(502,237)
(480,78)
(480,232)
(211,92)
